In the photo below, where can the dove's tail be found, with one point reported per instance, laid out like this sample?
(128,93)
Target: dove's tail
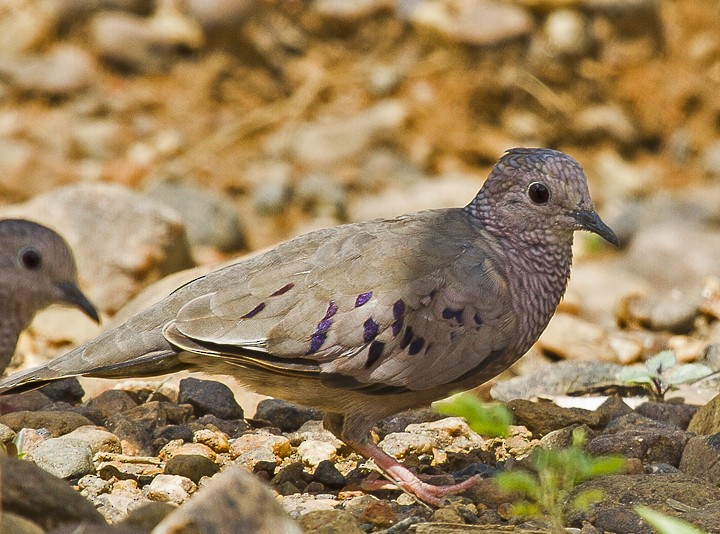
(136,348)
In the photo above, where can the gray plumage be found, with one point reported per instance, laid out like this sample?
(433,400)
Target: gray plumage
(365,320)
(36,269)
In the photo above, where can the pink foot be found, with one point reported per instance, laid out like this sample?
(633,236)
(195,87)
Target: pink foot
(407,481)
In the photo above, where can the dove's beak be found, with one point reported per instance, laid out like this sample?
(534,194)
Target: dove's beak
(591,221)
(72,295)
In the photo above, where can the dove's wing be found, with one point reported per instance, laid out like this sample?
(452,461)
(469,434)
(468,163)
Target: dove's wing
(412,307)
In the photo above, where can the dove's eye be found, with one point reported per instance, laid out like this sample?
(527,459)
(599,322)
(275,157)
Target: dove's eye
(31,258)
(538,193)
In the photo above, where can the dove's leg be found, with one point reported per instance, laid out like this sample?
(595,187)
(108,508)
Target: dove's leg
(393,470)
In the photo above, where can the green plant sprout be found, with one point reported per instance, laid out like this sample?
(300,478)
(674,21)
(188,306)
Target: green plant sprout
(662,374)
(665,524)
(548,488)
(486,419)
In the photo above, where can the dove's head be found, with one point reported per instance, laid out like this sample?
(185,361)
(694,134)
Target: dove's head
(37,268)
(538,194)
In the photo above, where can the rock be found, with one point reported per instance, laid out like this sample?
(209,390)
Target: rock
(141,472)
(124,239)
(330,522)
(35,494)
(57,422)
(701,457)
(192,466)
(664,493)
(286,416)
(678,415)
(145,45)
(232,428)
(327,474)
(115,507)
(313,452)
(572,338)
(30,401)
(691,249)
(209,396)
(705,422)
(107,403)
(402,444)
(16,524)
(147,516)
(92,485)
(566,32)
(348,11)
(368,509)
(63,457)
(649,443)
(7,434)
(65,70)
(543,417)
(673,312)
(332,140)
(611,121)
(98,439)
(472,22)
(278,445)
(210,219)
(174,448)
(217,441)
(169,488)
(67,390)
(211,14)
(233,501)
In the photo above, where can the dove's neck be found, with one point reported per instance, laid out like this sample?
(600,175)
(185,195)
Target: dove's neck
(12,322)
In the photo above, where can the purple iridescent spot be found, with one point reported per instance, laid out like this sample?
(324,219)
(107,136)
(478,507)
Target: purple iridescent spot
(284,289)
(370,330)
(398,309)
(374,352)
(316,341)
(252,313)
(451,313)
(397,326)
(323,326)
(362,298)
(416,346)
(478,320)
(407,338)
(331,310)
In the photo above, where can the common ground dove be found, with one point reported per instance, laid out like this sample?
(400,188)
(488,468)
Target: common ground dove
(36,269)
(365,320)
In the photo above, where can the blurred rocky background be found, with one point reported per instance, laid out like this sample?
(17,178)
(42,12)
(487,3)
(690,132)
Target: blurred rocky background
(158,135)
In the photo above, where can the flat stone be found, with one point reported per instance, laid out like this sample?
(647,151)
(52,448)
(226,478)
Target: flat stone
(543,417)
(192,466)
(209,397)
(35,494)
(232,501)
(313,452)
(98,439)
(63,457)
(58,423)
(169,488)
(286,416)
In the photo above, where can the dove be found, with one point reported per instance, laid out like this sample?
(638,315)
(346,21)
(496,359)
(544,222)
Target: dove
(368,319)
(37,269)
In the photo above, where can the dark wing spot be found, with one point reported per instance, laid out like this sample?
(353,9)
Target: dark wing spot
(478,320)
(370,330)
(331,310)
(284,289)
(450,313)
(374,352)
(323,326)
(416,346)
(316,341)
(362,298)
(398,309)
(252,313)
(407,338)
(397,326)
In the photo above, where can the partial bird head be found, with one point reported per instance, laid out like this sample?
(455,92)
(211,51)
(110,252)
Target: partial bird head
(37,268)
(538,194)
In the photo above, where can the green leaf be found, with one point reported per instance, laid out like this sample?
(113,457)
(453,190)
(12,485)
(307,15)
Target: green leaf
(661,362)
(665,524)
(605,465)
(585,499)
(524,509)
(633,375)
(486,419)
(690,372)
(520,482)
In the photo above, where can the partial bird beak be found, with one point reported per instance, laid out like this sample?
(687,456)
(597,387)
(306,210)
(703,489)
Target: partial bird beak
(591,221)
(72,295)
